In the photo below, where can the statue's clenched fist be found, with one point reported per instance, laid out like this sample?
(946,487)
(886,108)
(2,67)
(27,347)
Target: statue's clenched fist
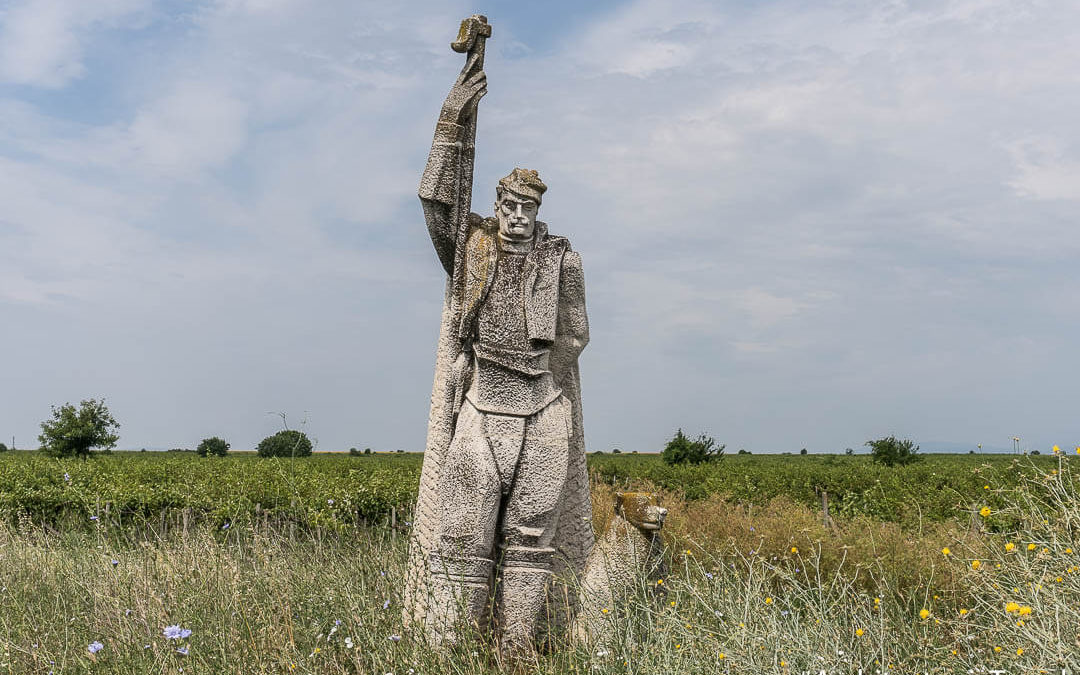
(470,87)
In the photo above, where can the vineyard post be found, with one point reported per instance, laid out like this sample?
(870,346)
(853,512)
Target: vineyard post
(825,507)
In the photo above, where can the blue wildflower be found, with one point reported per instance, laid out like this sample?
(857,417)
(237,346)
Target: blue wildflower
(183,651)
(95,647)
(115,562)
(175,632)
(708,575)
(93,517)
(67,477)
(337,622)
(395,638)
(386,604)
(225,526)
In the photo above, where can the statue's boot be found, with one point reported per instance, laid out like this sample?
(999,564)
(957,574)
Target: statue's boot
(521,598)
(460,594)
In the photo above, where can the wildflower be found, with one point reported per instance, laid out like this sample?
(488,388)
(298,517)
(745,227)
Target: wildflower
(175,632)
(337,622)
(708,575)
(330,502)
(975,564)
(348,643)
(115,562)
(689,552)
(1024,611)
(997,650)
(1068,550)
(672,603)
(1009,546)
(395,638)
(1056,450)
(877,601)
(183,651)
(924,613)
(605,610)
(984,511)
(1032,547)
(859,632)
(1012,607)
(95,647)
(386,604)
(945,551)
(1020,650)
(784,612)
(1020,623)
(67,477)
(93,517)
(721,656)
(986,487)
(225,526)
(768,601)
(659,582)
(963,611)
(794,549)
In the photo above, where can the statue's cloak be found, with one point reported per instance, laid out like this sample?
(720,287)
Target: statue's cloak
(574,535)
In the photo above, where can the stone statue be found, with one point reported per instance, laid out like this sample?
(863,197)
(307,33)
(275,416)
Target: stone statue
(503,513)
(628,555)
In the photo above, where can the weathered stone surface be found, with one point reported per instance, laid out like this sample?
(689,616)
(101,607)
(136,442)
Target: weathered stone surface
(628,555)
(503,511)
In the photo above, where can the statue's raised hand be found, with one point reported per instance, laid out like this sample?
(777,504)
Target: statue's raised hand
(470,87)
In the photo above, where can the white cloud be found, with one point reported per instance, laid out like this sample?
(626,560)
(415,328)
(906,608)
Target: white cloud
(42,42)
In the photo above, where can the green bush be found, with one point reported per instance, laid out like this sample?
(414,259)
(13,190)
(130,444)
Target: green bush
(682,450)
(3,448)
(288,443)
(73,433)
(212,446)
(892,452)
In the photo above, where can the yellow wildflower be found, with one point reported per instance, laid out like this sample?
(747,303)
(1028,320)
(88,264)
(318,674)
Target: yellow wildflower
(945,551)
(1068,550)
(1009,546)
(859,632)
(1012,607)
(1025,610)
(1020,650)
(963,611)
(1056,449)
(605,610)
(768,601)
(984,511)
(1032,547)
(986,487)
(659,582)
(924,613)
(997,649)
(1020,623)
(975,564)
(722,656)
(689,552)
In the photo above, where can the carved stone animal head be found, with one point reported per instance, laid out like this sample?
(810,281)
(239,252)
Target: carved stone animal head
(641,509)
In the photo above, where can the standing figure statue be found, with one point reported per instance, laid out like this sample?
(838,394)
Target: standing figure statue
(503,514)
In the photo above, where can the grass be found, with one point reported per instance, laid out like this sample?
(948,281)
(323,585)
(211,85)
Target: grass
(258,600)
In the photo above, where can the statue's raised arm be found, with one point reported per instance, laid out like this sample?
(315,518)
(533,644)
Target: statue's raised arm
(446,186)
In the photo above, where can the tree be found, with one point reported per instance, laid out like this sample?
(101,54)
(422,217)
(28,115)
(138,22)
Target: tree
(849,451)
(287,443)
(683,450)
(212,446)
(803,451)
(3,448)
(891,452)
(73,433)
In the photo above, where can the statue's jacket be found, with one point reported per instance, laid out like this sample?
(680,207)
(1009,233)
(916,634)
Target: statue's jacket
(553,294)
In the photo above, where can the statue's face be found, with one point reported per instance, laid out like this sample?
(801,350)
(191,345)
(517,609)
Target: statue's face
(517,216)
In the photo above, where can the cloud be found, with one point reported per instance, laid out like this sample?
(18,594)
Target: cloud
(42,42)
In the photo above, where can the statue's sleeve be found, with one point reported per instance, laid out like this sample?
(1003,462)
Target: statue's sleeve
(572,324)
(438,190)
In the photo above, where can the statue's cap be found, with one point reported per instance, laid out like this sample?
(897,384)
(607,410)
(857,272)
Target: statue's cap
(524,182)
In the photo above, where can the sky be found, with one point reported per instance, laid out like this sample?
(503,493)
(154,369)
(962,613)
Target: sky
(803,225)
